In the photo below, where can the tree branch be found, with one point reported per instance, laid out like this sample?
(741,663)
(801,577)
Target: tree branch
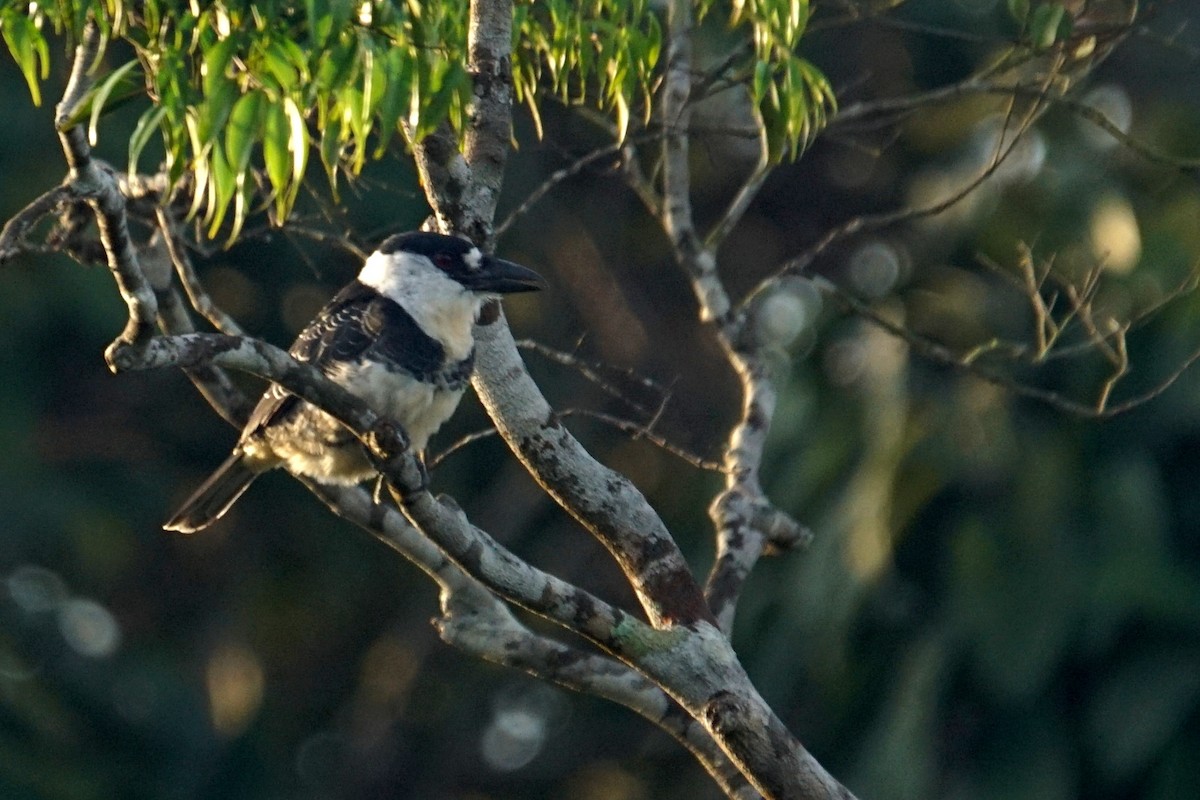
(604,501)
(97,184)
(476,622)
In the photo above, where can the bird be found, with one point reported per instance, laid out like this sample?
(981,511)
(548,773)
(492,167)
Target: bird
(398,336)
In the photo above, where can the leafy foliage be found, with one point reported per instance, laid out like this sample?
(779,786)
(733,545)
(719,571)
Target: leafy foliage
(242,93)
(793,98)
(604,51)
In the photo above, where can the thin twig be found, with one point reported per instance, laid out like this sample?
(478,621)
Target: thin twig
(635,429)
(553,180)
(591,372)
(199,298)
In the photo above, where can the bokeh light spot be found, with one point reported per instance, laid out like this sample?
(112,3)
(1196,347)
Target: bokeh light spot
(235,681)
(874,269)
(89,628)
(1116,236)
(36,589)
(514,738)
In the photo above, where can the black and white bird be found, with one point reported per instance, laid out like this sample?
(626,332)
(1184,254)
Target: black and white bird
(399,337)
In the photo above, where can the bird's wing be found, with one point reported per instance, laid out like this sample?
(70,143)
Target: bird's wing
(357,322)
(337,333)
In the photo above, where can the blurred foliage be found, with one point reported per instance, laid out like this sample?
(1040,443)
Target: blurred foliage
(1003,600)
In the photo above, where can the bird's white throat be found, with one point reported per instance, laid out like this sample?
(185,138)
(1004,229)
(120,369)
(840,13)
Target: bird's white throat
(443,307)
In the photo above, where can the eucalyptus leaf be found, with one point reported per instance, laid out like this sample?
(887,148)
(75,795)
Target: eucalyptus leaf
(101,94)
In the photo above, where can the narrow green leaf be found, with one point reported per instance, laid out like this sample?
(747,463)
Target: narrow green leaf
(336,64)
(21,35)
(622,109)
(320,22)
(215,108)
(245,122)
(331,151)
(148,123)
(1044,24)
(397,68)
(762,79)
(101,93)
(243,197)
(277,154)
(279,66)
(201,174)
(439,105)
(216,61)
(221,189)
(653,41)
(297,142)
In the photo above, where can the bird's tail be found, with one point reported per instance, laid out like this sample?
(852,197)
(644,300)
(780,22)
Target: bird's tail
(214,497)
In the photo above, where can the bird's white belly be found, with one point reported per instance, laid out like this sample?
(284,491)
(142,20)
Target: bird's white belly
(419,407)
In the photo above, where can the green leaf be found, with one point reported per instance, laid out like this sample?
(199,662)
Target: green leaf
(221,188)
(101,93)
(1044,25)
(320,22)
(26,44)
(439,105)
(1019,9)
(331,150)
(622,108)
(297,142)
(214,110)
(397,93)
(280,66)
(245,121)
(216,61)
(277,155)
(336,64)
(147,124)
(762,79)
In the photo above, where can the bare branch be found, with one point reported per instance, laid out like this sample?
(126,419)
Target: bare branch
(12,238)
(940,354)
(634,429)
(799,265)
(677,218)
(555,178)
(745,196)
(97,184)
(591,372)
(196,293)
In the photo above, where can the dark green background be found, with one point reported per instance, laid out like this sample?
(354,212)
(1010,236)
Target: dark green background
(1033,631)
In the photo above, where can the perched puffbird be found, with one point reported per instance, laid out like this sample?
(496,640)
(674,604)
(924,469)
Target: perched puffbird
(399,337)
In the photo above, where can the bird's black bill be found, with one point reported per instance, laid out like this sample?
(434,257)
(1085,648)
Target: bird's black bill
(503,277)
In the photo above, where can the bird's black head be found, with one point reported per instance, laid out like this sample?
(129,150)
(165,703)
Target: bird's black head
(465,263)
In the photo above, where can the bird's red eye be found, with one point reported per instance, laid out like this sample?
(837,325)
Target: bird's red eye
(443,260)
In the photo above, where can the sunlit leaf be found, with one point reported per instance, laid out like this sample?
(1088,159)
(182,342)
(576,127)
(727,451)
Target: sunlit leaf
(101,94)
(27,46)
(277,156)
(245,121)
(221,188)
